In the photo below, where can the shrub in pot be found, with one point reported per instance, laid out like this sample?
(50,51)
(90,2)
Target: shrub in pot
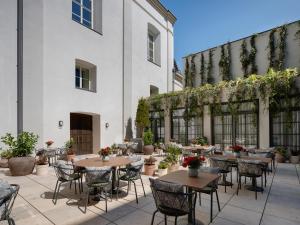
(280,155)
(41,165)
(4,156)
(70,151)
(172,158)
(294,156)
(202,140)
(149,166)
(163,168)
(20,148)
(148,142)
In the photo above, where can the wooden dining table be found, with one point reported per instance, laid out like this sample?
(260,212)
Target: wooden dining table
(113,162)
(192,183)
(234,158)
(198,149)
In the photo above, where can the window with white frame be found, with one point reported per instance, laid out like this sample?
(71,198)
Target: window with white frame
(153,44)
(85,76)
(82,12)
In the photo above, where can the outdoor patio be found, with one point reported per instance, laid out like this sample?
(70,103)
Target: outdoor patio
(279,204)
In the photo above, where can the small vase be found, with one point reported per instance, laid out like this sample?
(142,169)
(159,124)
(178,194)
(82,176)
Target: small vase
(193,172)
(105,158)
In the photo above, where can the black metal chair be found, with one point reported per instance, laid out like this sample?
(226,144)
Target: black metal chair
(131,174)
(171,200)
(98,181)
(7,199)
(65,174)
(224,168)
(210,189)
(252,169)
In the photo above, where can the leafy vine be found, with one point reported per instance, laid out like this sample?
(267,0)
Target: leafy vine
(202,69)
(244,58)
(282,47)
(210,78)
(272,49)
(224,64)
(252,55)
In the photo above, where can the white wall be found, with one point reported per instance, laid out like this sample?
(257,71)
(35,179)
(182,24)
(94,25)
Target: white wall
(8,67)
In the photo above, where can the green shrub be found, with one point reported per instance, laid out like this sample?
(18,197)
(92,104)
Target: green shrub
(282,151)
(202,140)
(148,137)
(163,165)
(142,115)
(20,146)
(173,154)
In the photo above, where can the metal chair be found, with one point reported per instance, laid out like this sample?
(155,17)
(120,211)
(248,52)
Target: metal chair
(131,174)
(7,198)
(65,174)
(224,168)
(252,169)
(171,200)
(210,189)
(98,181)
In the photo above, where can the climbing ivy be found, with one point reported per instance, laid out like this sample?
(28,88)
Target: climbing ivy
(202,69)
(187,73)
(224,64)
(252,55)
(193,72)
(244,58)
(272,49)
(209,76)
(282,47)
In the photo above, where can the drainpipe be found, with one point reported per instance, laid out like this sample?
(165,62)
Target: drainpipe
(123,72)
(19,66)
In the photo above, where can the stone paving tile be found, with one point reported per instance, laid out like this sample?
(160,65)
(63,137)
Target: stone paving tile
(221,221)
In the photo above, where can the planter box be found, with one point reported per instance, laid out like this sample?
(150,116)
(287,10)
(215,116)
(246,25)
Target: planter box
(149,170)
(162,172)
(21,166)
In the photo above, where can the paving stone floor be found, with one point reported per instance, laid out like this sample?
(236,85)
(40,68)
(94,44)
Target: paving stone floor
(278,205)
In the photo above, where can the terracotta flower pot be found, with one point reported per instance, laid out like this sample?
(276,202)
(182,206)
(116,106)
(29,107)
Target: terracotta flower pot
(294,159)
(149,170)
(279,158)
(41,170)
(148,149)
(21,166)
(173,168)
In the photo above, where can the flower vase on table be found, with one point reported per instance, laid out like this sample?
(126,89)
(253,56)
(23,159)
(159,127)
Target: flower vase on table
(104,153)
(193,163)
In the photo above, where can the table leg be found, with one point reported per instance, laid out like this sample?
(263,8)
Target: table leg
(114,180)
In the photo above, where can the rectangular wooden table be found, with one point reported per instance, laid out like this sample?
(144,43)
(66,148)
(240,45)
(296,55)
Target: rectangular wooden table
(198,149)
(234,158)
(193,183)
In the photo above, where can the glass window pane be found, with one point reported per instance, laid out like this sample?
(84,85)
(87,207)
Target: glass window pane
(87,15)
(87,3)
(85,74)
(85,84)
(76,9)
(86,23)
(77,82)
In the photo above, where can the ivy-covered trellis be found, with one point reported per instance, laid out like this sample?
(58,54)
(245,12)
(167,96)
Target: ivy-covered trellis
(202,70)
(210,78)
(224,63)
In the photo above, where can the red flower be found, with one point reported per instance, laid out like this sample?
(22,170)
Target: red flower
(193,161)
(105,151)
(237,148)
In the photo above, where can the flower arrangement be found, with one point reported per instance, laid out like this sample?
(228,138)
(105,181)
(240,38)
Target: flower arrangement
(193,161)
(237,148)
(49,143)
(105,151)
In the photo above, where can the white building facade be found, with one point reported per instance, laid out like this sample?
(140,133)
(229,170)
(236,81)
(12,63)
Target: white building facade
(76,68)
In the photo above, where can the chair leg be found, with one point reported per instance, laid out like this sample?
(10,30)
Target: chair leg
(218,200)
(55,190)
(55,201)
(199,198)
(265,179)
(175,220)
(231,176)
(224,179)
(105,193)
(152,221)
(211,205)
(136,197)
(70,184)
(143,186)
(255,186)
(165,219)
(87,200)
(11,221)
(238,186)
(75,186)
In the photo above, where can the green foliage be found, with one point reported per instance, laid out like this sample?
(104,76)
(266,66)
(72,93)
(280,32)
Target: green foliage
(148,137)
(282,47)
(150,161)
(202,140)
(20,146)
(282,151)
(193,72)
(224,63)
(187,74)
(142,115)
(69,143)
(163,165)
(6,154)
(272,49)
(173,154)
(209,76)
(202,70)
(244,58)
(252,55)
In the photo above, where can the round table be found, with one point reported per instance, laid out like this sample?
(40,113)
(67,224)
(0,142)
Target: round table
(113,162)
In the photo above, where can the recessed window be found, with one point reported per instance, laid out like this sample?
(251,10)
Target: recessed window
(85,75)
(154,90)
(82,12)
(153,44)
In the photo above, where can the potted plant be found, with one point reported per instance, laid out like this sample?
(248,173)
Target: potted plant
(173,152)
(70,151)
(20,149)
(202,140)
(294,156)
(142,117)
(41,165)
(148,141)
(104,153)
(280,155)
(4,155)
(163,168)
(49,143)
(149,166)
(193,162)
(236,149)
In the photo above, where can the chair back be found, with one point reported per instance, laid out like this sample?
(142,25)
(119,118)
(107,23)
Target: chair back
(250,167)
(213,170)
(220,163)
(8,194)
(98,175)
(135,168)
(63,170)
(170,195)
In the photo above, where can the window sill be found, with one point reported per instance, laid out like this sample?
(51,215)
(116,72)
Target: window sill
(84,89)
(154,63)
(88,28)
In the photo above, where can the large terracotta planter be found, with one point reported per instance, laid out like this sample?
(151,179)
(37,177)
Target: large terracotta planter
(294,159)
(148,149)
(41,170)
(21,166)
(149,170)
(173,168)
(279,158)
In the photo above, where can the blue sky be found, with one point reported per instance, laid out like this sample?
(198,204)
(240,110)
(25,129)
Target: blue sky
(202,24)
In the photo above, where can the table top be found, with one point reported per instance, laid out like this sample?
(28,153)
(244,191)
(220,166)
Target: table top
(181,177)
(195,148)
(98,162)
(234,158)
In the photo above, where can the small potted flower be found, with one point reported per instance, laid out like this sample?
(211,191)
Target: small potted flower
(69,148)
(104,153)
(173,152)
(49,143)
(236,149)
(41,164)
(194,163)
(163,168)
(149,166)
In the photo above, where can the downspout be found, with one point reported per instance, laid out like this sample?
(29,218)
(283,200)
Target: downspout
(167,56)
(19,66)
(123,71)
